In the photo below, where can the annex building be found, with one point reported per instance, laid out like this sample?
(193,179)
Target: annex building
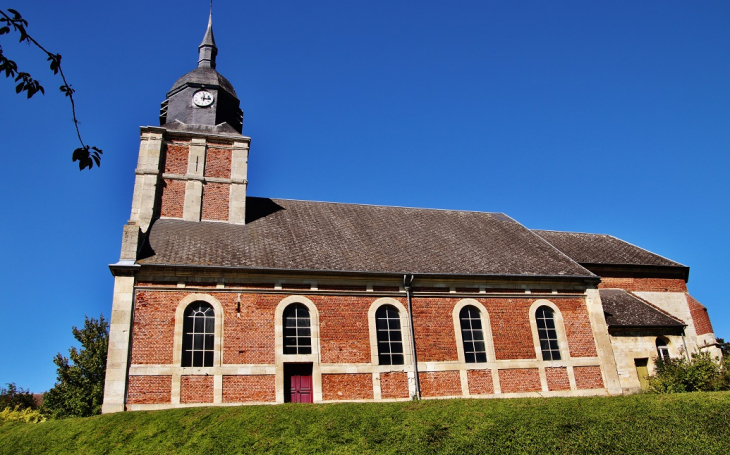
(224,299)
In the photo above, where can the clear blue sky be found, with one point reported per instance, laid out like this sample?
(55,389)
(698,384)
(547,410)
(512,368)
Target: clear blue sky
(606,117)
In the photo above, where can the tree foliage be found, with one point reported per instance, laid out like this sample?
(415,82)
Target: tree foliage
(13,397)
(12,21)
(724,347)
(79,389)
(701,374)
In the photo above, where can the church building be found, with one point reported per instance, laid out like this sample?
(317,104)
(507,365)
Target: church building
(223,299)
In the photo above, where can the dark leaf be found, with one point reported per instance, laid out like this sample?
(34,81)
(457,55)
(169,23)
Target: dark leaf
(19,88)
(97,160)
(4,30)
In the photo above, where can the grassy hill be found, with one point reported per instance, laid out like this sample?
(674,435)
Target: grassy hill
(696,423)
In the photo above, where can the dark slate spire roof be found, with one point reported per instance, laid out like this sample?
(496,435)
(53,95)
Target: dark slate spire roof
(207,50)
(623,309)
(332,237)
(223,116)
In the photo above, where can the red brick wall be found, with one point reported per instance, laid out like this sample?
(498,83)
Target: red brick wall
(394,385)
(242,389)
(511,330)
(347,386)
(699,316)
(434,328)
(215,201)
(512,333)
(196,389)
(644,284)
(176,160)
(440,383)
(520,380)
(557,378)
(588,377)
(218,163)
(480,381)
(343,328)
(173,198)
(578,328)
(154,326)
(149,389)
(249,338)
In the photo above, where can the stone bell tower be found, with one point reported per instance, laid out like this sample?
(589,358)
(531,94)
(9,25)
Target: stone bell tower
(192,167)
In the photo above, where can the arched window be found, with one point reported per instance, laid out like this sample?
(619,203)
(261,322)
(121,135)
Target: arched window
(390,341)
(472,335)
(198,335)
(662,349)
(546,331)
(297,330)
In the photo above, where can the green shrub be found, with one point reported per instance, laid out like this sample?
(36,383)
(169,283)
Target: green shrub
(16,396)
(26,415)
(701,374)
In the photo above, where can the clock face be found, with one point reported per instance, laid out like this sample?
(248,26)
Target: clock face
(203,98)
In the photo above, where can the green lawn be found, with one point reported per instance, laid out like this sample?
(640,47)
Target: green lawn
(696,423)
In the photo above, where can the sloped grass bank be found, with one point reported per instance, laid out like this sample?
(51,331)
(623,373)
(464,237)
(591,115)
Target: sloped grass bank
(695,423)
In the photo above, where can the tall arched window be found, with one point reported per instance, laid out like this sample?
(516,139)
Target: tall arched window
(297,330)
(546,331)
(472,334)
(662,349)
(390,341)
(198,335)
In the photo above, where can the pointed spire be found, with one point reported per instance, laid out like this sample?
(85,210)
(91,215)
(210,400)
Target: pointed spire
(207,49)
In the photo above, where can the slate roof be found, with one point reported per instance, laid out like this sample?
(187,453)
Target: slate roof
(623,309)
(602,249)
(203,76)
(320,236)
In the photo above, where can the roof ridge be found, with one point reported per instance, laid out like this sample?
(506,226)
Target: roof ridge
(389,206)
(570,232)
(650,252)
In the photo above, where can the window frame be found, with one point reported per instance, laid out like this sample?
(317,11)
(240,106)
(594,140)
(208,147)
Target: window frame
(405,330)
(665,347)
(486,333)
(179,332)
(562,339)
(297,306)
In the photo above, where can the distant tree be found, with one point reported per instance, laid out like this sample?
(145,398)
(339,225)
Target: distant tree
(12,21)
(79,389)
(16,396)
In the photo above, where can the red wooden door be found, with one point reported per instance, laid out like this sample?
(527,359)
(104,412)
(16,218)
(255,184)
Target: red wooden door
(298,378)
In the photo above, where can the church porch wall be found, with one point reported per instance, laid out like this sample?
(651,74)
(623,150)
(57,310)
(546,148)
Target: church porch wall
(347,387)
(249,389)
(677,305)
(630,345)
